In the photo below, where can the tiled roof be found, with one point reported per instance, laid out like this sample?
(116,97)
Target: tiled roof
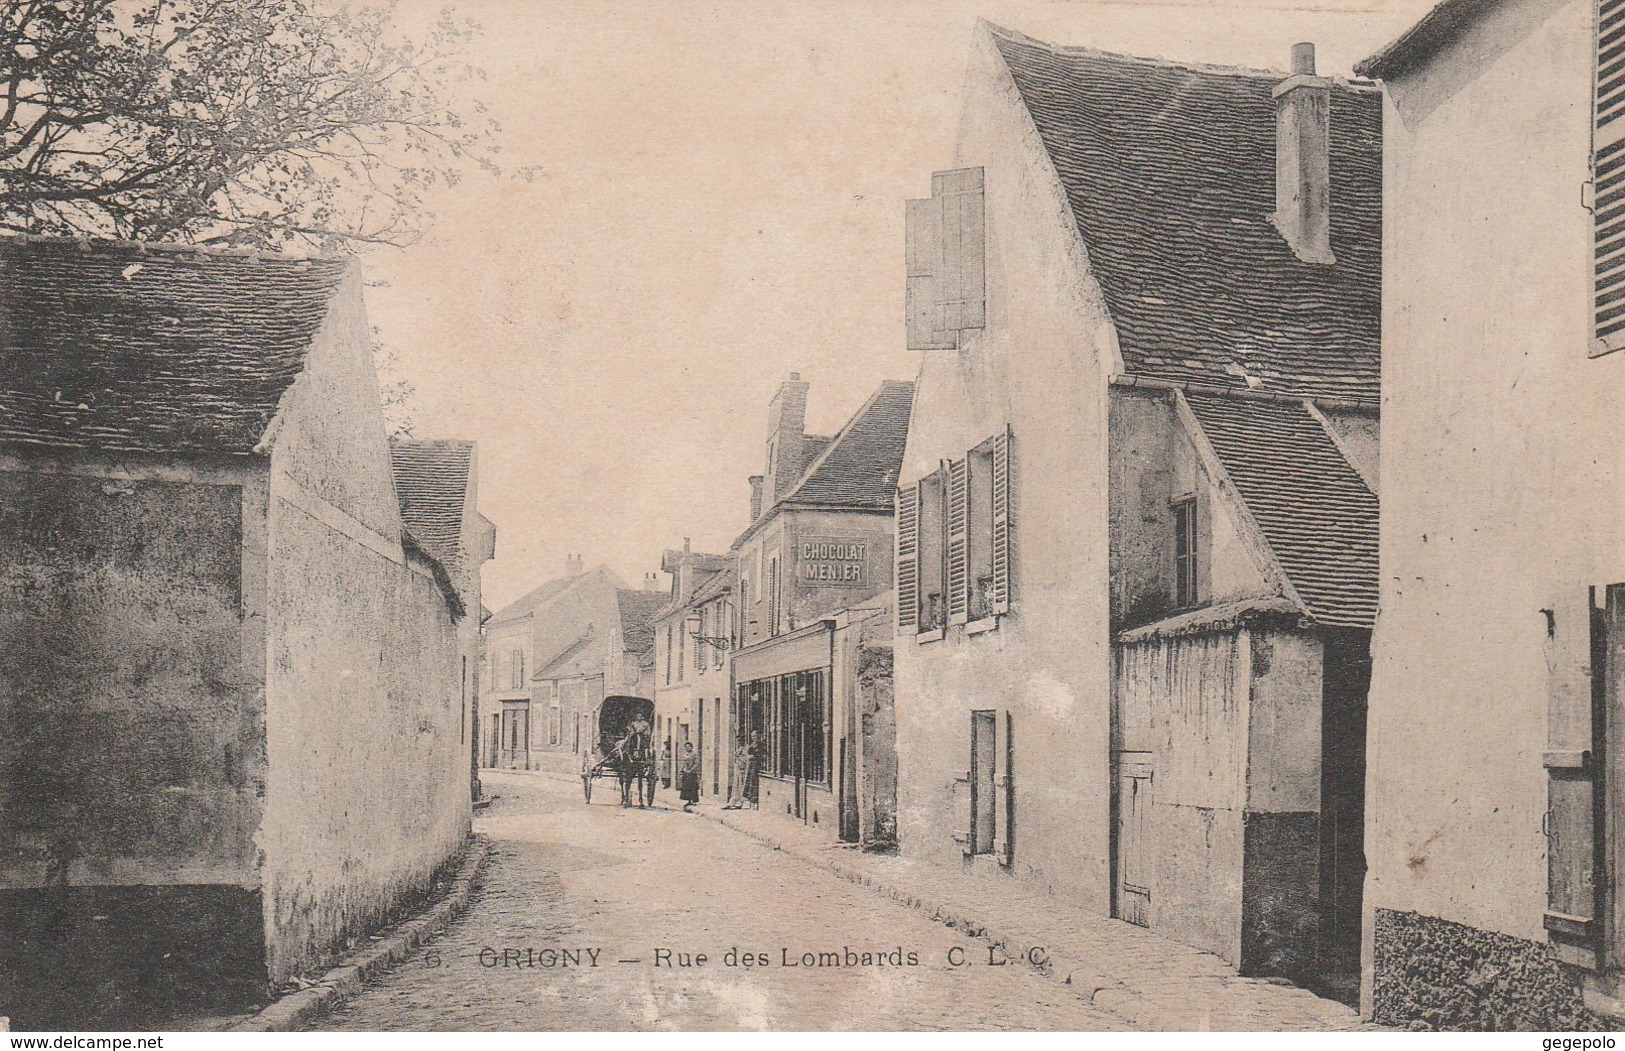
(1420,42)
(541,596)
(812,447)
(116,346)
(718,583)
(1170,173)
(859,466)
(559,662)
(431,483)
(637,618)
(1317,515)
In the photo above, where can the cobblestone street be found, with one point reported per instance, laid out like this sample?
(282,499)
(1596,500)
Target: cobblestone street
(628,883)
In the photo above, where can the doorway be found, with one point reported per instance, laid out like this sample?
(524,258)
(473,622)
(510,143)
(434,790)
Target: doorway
(1346,682)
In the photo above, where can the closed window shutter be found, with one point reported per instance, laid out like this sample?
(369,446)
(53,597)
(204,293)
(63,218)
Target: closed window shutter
(922,221)
(1001,523)
(958,541)
(1006,845)
(908,557)
(1608,181)
(962,283)
(1570,822)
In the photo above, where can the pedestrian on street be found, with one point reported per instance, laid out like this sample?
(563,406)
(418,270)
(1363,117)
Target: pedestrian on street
(753,771)
(665,764)
(688,779)
(741,770)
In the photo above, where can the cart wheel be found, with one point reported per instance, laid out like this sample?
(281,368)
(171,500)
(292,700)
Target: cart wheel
(586,786)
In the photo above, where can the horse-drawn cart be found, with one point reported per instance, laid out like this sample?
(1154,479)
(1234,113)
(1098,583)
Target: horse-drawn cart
(624,749)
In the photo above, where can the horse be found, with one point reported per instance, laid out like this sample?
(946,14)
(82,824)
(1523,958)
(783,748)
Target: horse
(630,757)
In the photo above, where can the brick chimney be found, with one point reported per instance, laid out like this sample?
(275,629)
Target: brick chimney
(572,565)
(651,582)
(1303,184)
(755,497)
(786,432)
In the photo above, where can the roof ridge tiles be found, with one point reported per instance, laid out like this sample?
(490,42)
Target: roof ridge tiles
(89,244)
(1215,68)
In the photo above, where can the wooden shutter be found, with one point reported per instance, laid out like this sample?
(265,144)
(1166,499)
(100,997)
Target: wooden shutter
(1608,180)
(1570,822)
(1001,523)
(1006,845)
(908,558)
(922,222)
(962,280)
(958,582)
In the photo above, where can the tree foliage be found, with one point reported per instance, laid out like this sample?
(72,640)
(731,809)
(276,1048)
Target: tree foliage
(265,123)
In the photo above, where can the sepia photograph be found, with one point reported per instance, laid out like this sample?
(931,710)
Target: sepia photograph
(879,516)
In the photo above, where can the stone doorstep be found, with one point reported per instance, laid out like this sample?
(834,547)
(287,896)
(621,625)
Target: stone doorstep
(296,1009)
(1141,1008)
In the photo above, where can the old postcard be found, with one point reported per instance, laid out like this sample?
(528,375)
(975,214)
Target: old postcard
(802,515)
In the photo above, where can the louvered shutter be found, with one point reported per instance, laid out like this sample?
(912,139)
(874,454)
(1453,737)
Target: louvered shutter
(958,541)
(1608,181)
(922,295)
(962,280)
(908,558)
(1570,822)
(1001,523)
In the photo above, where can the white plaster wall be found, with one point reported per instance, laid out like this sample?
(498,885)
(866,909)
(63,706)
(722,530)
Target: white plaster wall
(1501,478)
(366,790)
(1041,365)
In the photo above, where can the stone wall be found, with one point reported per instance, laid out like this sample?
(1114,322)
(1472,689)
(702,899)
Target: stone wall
(131,756)
(1429,973)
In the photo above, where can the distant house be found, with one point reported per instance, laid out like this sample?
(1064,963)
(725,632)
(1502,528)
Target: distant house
(1494,819)
(814,567)
(693,636)
(229,717)
(554,655)
(1136,564)
(437,483)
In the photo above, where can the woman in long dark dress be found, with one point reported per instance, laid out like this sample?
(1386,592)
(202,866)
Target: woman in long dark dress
(688,778)
(753,771)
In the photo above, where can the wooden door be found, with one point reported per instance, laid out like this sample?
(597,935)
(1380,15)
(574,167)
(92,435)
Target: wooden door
(1134,778)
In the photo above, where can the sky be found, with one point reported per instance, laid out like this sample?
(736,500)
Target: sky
(719,204)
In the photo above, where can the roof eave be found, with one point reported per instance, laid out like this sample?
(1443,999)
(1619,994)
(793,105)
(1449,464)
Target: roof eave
(1423,40)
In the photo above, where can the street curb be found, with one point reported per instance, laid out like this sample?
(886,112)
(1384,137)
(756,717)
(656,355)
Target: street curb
(1082,979)
(298,1009)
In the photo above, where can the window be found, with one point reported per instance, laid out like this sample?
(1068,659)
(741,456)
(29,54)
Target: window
(699,643)
(555,720)
(792,713)
(984,728)
(744,612)
(991,806)
(933,611)
(954,542)
(682,650)
(772,596)
(722,623)
(668,655)
(979,535)
(1185,553)
(516,669)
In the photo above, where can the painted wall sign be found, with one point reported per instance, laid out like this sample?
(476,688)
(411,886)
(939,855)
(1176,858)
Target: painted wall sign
(832,561)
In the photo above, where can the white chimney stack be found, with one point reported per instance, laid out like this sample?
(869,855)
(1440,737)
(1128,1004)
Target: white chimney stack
(1303,183)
